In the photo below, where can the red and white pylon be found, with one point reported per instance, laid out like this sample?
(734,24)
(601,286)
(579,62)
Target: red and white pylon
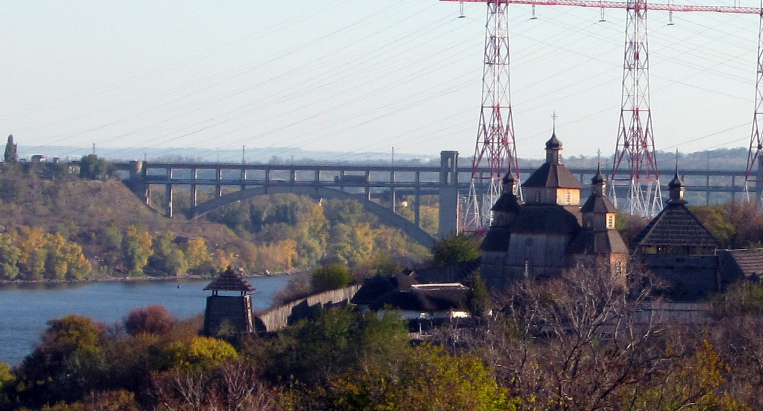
(635,141)
(495,146)
(754,172)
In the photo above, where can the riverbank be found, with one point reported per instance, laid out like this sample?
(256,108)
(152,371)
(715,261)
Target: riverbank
(188,277)
(27,307)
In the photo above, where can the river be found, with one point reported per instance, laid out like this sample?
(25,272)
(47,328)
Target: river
(26,308)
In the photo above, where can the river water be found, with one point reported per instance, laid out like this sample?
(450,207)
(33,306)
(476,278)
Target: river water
(25,309)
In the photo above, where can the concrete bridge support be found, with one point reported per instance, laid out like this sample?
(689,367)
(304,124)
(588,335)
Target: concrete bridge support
(449,210)
(136,182)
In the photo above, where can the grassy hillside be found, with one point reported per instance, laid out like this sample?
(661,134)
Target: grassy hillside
(56,226)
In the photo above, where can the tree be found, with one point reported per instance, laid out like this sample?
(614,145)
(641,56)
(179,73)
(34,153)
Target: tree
(9,258)
(199,354)
(197,253)
(154,319)
(330,277)
(93,168)
(63,364)
(454,249)
(479,297)
(427,378)
(11,156)
(136,249)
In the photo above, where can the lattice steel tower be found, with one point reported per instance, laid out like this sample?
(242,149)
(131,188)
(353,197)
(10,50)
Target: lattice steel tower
(495,136)
(754,172)
(635,141)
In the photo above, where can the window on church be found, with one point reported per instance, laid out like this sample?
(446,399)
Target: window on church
(610,221)
(537,196)
(567,197)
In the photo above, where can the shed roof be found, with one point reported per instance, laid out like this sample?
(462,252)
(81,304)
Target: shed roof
(229,280)
(675,226)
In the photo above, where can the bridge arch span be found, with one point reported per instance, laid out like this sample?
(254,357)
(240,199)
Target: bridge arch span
(385,215)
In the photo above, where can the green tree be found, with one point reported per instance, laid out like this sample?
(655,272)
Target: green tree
(330,277)
(427,378)
(136,249)
(199,354)
(9,258)
(454,249)
(479,297)
(93,168)
(11,156)
(63,364)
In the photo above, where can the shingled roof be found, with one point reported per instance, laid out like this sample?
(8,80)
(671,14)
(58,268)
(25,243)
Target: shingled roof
(426,298)
(229,280)
(552,175)
(675,226)
(592,242)
(544,218)
(737,264)
(379,285)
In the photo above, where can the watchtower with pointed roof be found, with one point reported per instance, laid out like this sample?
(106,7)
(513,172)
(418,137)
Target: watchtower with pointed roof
(228,312)
(676,247)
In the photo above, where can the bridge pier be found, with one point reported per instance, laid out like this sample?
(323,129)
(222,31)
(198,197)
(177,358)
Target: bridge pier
(392,190)
(449,212)
(169,200)
(194,175)
(136,182)
(218,187)
(417,199)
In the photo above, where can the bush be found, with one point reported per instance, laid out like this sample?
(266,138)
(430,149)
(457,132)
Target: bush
(330,277)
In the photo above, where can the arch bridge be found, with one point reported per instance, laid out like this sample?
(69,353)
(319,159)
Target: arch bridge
(366,183)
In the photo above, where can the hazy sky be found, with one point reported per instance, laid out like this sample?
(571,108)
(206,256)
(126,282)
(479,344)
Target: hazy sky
(356,76)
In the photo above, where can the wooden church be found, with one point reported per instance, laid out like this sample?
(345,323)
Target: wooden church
(551,231)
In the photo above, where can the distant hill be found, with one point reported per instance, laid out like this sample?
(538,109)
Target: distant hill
(720,159)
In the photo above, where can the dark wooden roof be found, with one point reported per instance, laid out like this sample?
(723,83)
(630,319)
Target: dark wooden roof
(675,226)
(598,204)
(229,280)
(552,176)
(738,264)
(425,298)
(545,218)
(507,203)
(379,285)
(588,241)
(496,239)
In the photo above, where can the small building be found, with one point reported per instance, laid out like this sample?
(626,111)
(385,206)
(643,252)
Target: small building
(425,302)
(738,265)
(551,232)
(379,285)
(228,311)
(679,250)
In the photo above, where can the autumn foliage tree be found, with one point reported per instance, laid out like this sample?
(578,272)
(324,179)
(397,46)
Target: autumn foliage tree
(153,319)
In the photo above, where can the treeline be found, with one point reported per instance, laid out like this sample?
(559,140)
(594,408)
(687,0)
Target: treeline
(576,343)
(67,217)
(298,231)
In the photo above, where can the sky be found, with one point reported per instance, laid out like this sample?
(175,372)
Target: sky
(358,76)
